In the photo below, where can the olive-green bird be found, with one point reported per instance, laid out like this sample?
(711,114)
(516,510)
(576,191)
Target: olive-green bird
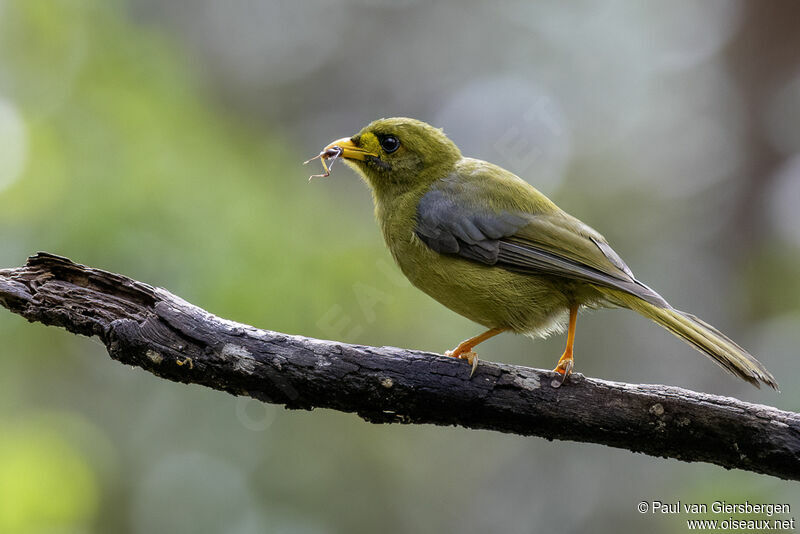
(491,247)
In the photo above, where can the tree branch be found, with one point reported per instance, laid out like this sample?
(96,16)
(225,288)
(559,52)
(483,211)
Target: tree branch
(151,328)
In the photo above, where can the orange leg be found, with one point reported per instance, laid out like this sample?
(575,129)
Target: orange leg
(464,349)
(565,364)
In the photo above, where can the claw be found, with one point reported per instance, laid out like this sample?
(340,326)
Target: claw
(471,357)
(564,368)
(464,349)
(567,372)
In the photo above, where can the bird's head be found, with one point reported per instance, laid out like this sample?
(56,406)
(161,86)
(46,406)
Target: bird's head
(396,154)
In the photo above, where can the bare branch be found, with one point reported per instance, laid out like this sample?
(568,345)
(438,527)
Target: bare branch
(157,331)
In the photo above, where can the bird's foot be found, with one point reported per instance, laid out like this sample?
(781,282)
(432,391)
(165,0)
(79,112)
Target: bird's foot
(564,368)
(465,354)
(464,349)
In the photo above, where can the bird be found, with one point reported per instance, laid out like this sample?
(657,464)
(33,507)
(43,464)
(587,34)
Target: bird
(491,247)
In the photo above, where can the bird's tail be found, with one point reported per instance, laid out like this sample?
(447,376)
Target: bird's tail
(705,338)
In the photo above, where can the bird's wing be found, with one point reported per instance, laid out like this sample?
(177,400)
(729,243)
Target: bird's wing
(452,221)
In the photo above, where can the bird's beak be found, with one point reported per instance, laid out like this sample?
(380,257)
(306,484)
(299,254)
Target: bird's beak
(347,149)
(344,148)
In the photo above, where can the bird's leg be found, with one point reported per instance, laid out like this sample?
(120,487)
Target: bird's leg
(464,349)
(565,364)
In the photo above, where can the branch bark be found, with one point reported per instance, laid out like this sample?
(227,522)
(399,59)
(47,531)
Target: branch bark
(151,328)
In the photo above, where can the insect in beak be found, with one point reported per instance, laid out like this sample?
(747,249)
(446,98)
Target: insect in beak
(330,153)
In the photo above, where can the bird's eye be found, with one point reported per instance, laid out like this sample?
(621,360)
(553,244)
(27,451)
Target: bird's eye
(389,144)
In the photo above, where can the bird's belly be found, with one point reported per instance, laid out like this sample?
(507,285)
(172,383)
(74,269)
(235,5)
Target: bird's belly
(490,296)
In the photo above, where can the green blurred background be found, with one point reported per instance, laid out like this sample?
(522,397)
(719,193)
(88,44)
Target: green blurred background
(163,140)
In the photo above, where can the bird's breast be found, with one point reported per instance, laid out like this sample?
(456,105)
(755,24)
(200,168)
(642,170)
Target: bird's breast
(488,295)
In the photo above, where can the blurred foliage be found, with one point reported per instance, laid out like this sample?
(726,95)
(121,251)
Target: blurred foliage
(129,142)
(45,483)
(130,170)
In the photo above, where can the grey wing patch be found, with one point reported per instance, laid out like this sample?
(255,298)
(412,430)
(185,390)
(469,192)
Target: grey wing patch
(517,257)
(450,228)
(638,288)
(524,258)
(612,256)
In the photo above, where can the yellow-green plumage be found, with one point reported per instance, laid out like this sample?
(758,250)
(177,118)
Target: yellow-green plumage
(488,295)
(492,248)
